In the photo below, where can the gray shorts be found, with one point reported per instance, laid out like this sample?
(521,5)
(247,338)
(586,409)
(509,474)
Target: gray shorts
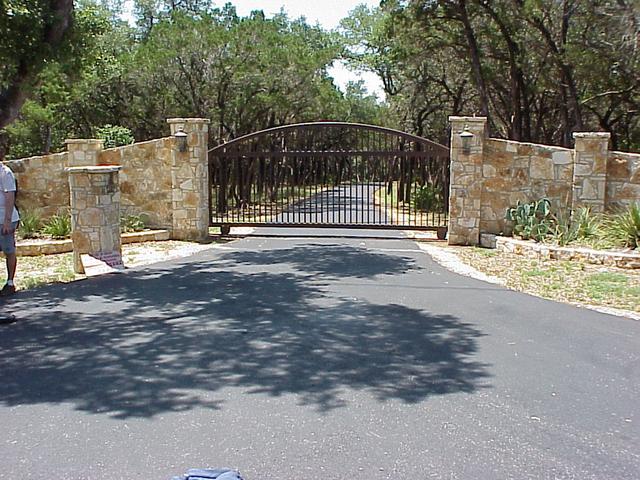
(8,242)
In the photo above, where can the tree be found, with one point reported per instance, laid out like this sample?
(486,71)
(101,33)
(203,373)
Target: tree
(33,32)
(540,69)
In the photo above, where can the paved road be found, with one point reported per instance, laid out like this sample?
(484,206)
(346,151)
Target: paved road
(345,204)
(313,358)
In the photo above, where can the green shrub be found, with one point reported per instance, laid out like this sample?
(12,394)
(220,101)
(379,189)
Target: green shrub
(30,224)
(132,223)
(115,136)
(428,198)
(532,220)
(623,228)
(58,226)
(583,225)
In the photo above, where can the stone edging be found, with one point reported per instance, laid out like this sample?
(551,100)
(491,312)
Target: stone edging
(552,252)
(33,248)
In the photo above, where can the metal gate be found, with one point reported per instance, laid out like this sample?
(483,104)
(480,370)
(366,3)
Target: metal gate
(330,174)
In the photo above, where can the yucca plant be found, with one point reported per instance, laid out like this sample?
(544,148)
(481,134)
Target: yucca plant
(586,224)
(30,224)
(58,226)
(564,231)
(623,228)
(582,225)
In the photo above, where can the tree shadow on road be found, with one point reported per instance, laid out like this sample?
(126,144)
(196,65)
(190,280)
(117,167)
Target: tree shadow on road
(173,338)
(326,261)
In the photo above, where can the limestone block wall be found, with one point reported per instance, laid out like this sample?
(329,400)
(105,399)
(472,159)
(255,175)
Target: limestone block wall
(145,179)
(190,179)
(590,171)
(514,171)
(505,172)
(623,180)
(95,215)
(83,152)
(465,189)
(42,183)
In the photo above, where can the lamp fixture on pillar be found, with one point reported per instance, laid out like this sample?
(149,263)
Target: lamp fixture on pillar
(466,137)
(181,140)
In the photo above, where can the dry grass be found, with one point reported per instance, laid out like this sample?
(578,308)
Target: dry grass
(35,271)
(565,281)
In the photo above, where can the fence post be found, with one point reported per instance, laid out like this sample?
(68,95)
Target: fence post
(95,215)
(190,179)
(467,150)
(590,170)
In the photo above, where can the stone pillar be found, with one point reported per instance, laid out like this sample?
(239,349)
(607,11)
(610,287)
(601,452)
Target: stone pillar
(466,180)
(95,215)
(83,152)
(190,180)
(590,170)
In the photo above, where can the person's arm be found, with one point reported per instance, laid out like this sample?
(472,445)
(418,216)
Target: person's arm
(9,203)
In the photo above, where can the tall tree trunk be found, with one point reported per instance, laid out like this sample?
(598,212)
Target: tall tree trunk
(474,54)
(13,96)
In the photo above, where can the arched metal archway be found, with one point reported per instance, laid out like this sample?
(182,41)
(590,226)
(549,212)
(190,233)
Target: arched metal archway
(330,174)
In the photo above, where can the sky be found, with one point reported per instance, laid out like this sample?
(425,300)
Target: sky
(327,13)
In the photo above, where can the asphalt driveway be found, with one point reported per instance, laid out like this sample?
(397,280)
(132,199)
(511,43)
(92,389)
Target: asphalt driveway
(311,358)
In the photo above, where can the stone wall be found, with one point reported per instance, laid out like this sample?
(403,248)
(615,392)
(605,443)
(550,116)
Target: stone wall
(505,172)
(514,171)
(95,215)
(190,179)
(466,179)
(42,183)
(145,179)
(623,179)
(167,185)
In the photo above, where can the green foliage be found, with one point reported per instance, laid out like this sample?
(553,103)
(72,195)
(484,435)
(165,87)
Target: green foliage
(623,228)
(24,28)
(58,226)
(114,136)
(583,225)
(428,199)
(538,69)
(532,220)
(187,59)
(609,284)
(132,223)
(30,224)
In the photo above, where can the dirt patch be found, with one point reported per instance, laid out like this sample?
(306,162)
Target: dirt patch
(39,270)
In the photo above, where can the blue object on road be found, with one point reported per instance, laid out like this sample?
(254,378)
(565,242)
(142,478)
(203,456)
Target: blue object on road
(209,474)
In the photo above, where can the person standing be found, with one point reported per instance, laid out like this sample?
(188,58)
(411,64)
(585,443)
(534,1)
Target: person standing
(9,218)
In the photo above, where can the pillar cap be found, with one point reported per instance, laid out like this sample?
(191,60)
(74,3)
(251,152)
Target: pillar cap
(468,119)
(98,169)
(83,141)
(188,120)
(594,135)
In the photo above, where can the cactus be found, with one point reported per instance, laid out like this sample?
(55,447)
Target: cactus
(531,220)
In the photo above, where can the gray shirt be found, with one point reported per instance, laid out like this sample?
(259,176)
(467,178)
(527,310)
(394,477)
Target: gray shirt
(7,184)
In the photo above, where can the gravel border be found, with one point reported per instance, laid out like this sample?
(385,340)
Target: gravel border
(452,262)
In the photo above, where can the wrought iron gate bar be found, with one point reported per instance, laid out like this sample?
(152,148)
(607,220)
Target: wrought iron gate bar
(330,174)
(363,153)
